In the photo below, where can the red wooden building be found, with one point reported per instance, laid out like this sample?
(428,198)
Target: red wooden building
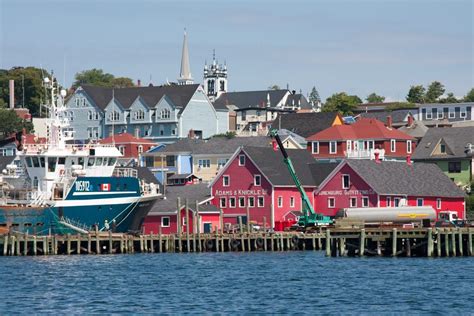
(257,178)
(366,183)
(366,139)
(164,213)
(128,145)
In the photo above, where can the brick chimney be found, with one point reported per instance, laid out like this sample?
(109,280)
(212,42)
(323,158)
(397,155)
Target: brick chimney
(389,121)
(409,160)
(410,121)
(139,83)
(11,87)
(377,156)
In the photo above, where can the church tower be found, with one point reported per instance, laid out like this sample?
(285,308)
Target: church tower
(185,73)
(215,78)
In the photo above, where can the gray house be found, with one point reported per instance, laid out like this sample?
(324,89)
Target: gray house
(163,114)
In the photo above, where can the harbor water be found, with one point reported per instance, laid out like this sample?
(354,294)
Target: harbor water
(244,283)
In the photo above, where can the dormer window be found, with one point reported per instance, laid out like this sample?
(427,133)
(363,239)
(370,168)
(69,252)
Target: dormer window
(139,115)
(114,116)
(442,148)
(165,114)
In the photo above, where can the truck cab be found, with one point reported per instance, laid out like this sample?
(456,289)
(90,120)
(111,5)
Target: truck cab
(449,219)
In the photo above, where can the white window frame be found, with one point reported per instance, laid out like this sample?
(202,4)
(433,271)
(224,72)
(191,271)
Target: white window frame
(251,201)
(463,113)
(388,201)
(349,145)
(140,149)
(438,203)
(440,115)
(162,220)
(393,145)
(202,165)
(364,199)
(228,180)
(331,202)
(315,145)
(292,201)
(451,113)
(259,177)
(349,181)
(280,201)
(232,198)
(221,162)
(335,147)
(409,144)
(223,202)
(422,201)
(258,201)
(429,114)
(241,160)
(184,221)
(353,198)
(241,199)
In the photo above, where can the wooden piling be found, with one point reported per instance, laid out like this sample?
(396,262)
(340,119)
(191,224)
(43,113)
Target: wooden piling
(469,238)
(438,243)
(446,244)
(430,242)
(35,246)
(25,244)
(5,245)
(362,242)
(394,242)
(460,244)
(160,241)
(186,209)
(68,243)
(179,223)
(328,242)
(453,243)
(111,248)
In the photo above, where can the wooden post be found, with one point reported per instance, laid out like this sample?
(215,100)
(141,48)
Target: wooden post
(248,228)
(446,244)
(186,209)
(68,243)
(469,238)
(25,246)
(282,244)
(362,242)
(272,245)
(12,246)
(394,242)
(159,237)
(241,233)
(328,242)
(461,250)
(453,243)
(152,244)
(110,243)
(97,242)
(217,238)
(89,244)
(122,247)
(198,227)
(5,245)
(45,245)
(221,224)
(430,242)
(141,244)
(195,223)
(78,244)
(178,222)
(35,246)
(438,243)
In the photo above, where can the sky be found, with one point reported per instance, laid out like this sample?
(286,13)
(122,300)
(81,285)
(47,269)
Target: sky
(358,47)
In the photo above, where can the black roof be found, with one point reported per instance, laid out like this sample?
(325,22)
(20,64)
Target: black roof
(455,138)
(305,124)
(195,192)
(272,166)
(245,99)
(183,145)
(145,174)
(396,177)
(398,116)
(178,94)
(298,100)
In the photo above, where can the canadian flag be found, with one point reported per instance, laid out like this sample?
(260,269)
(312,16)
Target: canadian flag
(105,187)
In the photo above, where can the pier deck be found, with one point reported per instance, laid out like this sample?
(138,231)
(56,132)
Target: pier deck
(423,242)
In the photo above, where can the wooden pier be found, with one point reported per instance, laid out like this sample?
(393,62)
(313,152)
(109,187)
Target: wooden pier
(423,242)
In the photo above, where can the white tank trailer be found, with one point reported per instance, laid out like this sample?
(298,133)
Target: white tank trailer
(403,214)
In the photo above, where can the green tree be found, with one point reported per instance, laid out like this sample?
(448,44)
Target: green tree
(399,106)
(469,97)
(274,87)
(435,90)
(342,102)
(450,98)
(416,94)
(374,98)
(11,123)
(94,77)
(122,82)
(314,97)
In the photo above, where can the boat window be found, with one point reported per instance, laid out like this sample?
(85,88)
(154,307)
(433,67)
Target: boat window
(28,162)
(98,161)
(27,224)
(81,161)
(39,224)
(90,162)
(61,160)
(35,162)
(112,161)
(52,164)
(41,160)
(104,163)
(73,161)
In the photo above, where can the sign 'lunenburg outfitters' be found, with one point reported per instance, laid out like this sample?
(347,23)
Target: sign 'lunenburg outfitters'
(348,192)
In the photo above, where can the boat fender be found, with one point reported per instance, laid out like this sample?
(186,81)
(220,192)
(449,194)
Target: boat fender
(259,242)
(235,244)
(209,244)
(294,240)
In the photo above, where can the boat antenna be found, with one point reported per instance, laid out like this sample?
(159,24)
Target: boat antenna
(113,117)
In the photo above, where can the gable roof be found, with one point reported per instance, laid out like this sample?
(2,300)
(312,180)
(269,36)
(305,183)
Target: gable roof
(125,138)
(399,178)
(224,145)
(245,99)
(398,116)
(305,124)
(196,192)
(298,100)
(180,95)
(364,128)
(417,130)
(182,146)
(457,138)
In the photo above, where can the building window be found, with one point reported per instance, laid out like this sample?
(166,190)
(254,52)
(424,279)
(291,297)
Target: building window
(353,202)
(365,201)
(173,131)
(204,163)
(232,202)
(226,181)
(393,145)
(331,202)
(140,149)
(345,181)
(396,202)
(442,148)
(114,116)
(241,202)
(71,116)
(409,146)
(243,116)
(315,147)
(438,204)
(122,150)
(89,115)
(440,115)
(463,113)
(139,115)
(257,180)
(454,167)
(292,201)
(241,160)
(349,145)
(280,201)
(251,201)
(221,162)
(165,221)
(429,115)
(260,201)
(165,114)
(389,201)
(222,202)
(332,147)
(419,202)
(451,114)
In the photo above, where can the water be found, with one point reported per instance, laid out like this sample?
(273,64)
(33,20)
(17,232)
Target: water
(244,283)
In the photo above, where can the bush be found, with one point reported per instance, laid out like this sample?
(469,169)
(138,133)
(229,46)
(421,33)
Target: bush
(470,206)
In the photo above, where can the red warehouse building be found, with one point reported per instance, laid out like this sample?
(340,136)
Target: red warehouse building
(164,213)
(365,139)
(131,147)
(257,178)
(366,183)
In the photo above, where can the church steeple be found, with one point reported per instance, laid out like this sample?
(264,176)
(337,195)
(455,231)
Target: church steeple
(215,78)
(185,73)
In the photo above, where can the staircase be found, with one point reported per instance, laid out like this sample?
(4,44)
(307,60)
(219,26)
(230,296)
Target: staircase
(74,225)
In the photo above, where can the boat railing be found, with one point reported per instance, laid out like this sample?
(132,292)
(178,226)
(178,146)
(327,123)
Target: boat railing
(125,172)
(39,148)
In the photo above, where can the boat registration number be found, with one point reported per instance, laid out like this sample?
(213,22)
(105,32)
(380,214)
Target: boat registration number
(83,186)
